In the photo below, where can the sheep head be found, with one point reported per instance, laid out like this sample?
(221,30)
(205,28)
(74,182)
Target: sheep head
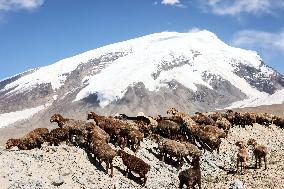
(195,161)
(92,115)
(252,142)
(56,118)
(12,142)
(172,111)
(240,144)
(120,153)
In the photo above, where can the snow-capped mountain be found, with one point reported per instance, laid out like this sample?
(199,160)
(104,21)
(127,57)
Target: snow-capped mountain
(192,71)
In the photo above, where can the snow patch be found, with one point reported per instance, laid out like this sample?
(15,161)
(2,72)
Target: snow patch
(276,98)
(12,117)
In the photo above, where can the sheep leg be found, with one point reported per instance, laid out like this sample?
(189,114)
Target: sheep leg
(259,162)
(181,185)
(127,171)
(180,163)
(111,169)
(107,166)
(199,184)
(255,163)
(265,162)
(238,165)
(162,156)
(145,180)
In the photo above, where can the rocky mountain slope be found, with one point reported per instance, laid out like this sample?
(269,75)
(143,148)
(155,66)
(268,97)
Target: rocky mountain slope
(70,167)
(191,71)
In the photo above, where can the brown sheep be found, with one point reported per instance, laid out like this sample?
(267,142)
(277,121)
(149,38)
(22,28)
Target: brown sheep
(201,119)
(242,156)
(78,130)
(209,136)
(33,139)
(145,124)
(216,115)
(192,176)
(39,134)
(123,132)
(134,138)
(112,126)
(15,142)
(259,151)
(98,134)
(134,164)
(185,117)
(103,152)
(278,121)
(167,128)
(58,135)
(264,119)
(176,149)
(71,123)
(224,124)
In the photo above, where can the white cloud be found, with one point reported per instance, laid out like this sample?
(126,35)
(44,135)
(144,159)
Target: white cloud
(194,30)
(170,2)
(235,7)
(11,5)
(260,39)
(173,3)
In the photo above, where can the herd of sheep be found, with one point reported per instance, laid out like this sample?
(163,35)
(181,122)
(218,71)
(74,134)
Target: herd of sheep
(179,136)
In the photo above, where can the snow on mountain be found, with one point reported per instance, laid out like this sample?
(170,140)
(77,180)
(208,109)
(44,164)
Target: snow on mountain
(276,98)
(190,55)
(12,117)
(56,73)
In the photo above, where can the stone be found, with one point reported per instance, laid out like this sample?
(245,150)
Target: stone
(237,184)
(58,181)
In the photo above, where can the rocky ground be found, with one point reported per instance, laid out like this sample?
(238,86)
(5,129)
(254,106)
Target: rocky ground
(70,167)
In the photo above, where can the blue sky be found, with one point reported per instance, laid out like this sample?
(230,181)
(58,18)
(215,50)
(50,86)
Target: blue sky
(35,33)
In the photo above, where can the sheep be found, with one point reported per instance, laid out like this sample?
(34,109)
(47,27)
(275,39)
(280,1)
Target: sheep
(111,126)
(103,152)
(264,119)
(145,124)
(78,130)
(39,134)
(215,115)
(224,124)
(58,135)
(134,138)
(70,123)
(185,117)
(209,136)
(192,176)
(176,149)
(201,119)
(97,134)
(278,121)
(122,131)
(33,139)
(15,142)
(134,164)
(167,127)
(242,156)
(229,115)
(259,151)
